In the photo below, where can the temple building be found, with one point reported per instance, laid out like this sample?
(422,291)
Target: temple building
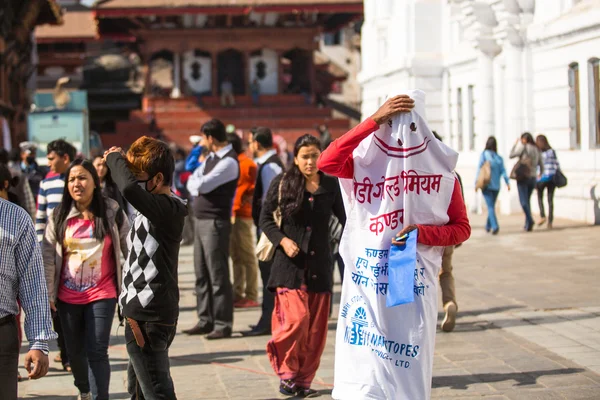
(18,18)
(497,68)
(162,65)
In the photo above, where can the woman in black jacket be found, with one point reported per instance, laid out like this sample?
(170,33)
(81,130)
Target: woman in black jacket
(302,269)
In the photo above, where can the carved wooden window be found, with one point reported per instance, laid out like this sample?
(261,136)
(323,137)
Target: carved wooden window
(574,106)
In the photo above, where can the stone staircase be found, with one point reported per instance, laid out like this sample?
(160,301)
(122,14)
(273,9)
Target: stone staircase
(177,119)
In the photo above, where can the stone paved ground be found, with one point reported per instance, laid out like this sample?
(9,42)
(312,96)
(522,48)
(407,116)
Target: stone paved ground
(528,328)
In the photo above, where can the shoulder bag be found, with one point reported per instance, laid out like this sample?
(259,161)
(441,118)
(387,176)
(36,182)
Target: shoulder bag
(264,248)
(559,179)
(522,169)
(485,175)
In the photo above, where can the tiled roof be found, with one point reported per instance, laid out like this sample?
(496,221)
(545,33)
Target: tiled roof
(77,25)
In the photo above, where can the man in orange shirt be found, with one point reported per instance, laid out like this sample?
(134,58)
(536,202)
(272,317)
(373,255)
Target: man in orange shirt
(242,240)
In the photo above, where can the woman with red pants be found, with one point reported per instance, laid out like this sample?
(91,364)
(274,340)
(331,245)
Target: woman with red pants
(302,270)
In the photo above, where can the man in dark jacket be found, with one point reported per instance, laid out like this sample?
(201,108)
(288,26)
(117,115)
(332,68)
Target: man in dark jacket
(269,166)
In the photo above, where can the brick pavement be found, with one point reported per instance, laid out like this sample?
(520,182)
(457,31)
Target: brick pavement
(528,328)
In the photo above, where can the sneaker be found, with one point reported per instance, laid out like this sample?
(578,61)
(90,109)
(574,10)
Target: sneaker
(450,318)
(85,396)
(287,387)
(307,392)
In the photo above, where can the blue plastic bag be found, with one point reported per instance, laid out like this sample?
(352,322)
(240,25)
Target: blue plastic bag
(401,271)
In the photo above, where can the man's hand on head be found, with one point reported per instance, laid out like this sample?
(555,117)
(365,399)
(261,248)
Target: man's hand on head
(114,149)
(393,106)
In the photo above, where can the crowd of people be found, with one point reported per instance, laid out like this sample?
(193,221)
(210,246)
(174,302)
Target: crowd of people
(108,231)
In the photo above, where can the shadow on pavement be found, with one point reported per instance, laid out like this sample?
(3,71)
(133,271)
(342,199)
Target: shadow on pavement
(462,382)
(115,396)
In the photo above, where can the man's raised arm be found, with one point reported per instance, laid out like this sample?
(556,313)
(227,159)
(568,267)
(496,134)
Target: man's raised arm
(337,159)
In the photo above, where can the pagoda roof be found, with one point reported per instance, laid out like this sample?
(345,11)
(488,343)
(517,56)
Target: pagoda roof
(77,26)
(50,13)
(123,7)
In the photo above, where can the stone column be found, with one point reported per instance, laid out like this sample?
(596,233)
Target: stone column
(176,92)
(484,93)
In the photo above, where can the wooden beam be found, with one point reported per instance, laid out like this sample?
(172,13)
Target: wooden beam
(137,22)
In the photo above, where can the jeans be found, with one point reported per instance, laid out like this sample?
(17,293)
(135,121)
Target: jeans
(490,197)
(540,192)
(86,329)
(9,359)
(525,190)
(148,372)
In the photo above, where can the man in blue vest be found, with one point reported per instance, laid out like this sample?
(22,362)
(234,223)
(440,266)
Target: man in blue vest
(213,186)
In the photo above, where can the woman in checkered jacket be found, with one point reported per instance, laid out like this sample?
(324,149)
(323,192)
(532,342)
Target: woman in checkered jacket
(546,179)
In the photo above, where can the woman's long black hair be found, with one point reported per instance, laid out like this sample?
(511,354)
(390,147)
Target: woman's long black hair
(528,138)
(541,142)
(294,183)
(97,206)
(491,144)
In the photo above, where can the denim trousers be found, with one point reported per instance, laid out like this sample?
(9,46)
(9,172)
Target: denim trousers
(526,188)
(86,329)
(490,197)
(148,372)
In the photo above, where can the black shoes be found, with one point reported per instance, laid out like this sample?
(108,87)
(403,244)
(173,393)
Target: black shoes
(289,388)
(256,331)
(198,329)
(220,334)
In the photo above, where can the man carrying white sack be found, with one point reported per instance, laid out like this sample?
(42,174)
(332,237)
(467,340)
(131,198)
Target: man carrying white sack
(395,178)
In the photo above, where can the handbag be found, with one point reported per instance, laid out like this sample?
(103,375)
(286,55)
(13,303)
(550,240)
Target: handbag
(522,169)
(559,179)
(485,175)
(264,248)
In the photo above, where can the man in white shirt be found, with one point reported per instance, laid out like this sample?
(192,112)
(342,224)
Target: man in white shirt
(213,187)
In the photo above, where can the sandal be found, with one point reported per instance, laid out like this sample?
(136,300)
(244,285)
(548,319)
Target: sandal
(58,358)
(67,367)
(287,387)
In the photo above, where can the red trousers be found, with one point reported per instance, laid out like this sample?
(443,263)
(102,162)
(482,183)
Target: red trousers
(299,332)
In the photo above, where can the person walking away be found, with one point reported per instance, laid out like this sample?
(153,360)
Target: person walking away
(546,179)
(108,186)
(60,155)
(213,185)
(269,166)
(84,238)
(529,156)
(150,305)
(21,188)
(302,269)
(255,91)
(241,243)
(227,93)
(491,191)
(21,281)
(180,182)
(29,166)
(446,276)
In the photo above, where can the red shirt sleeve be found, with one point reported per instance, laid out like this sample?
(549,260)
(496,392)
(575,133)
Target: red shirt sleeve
(456,231)
(337,159)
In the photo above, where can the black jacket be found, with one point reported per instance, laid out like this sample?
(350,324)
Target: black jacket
(309,228)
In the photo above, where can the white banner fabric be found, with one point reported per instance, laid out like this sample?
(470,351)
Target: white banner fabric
(402,175)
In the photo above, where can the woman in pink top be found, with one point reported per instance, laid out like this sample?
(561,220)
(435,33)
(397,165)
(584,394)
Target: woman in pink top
(82,245)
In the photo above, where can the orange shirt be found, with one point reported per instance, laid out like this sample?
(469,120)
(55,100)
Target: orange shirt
(242,203)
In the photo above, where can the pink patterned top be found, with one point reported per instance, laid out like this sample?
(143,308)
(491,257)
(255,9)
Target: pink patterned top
(89,267)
